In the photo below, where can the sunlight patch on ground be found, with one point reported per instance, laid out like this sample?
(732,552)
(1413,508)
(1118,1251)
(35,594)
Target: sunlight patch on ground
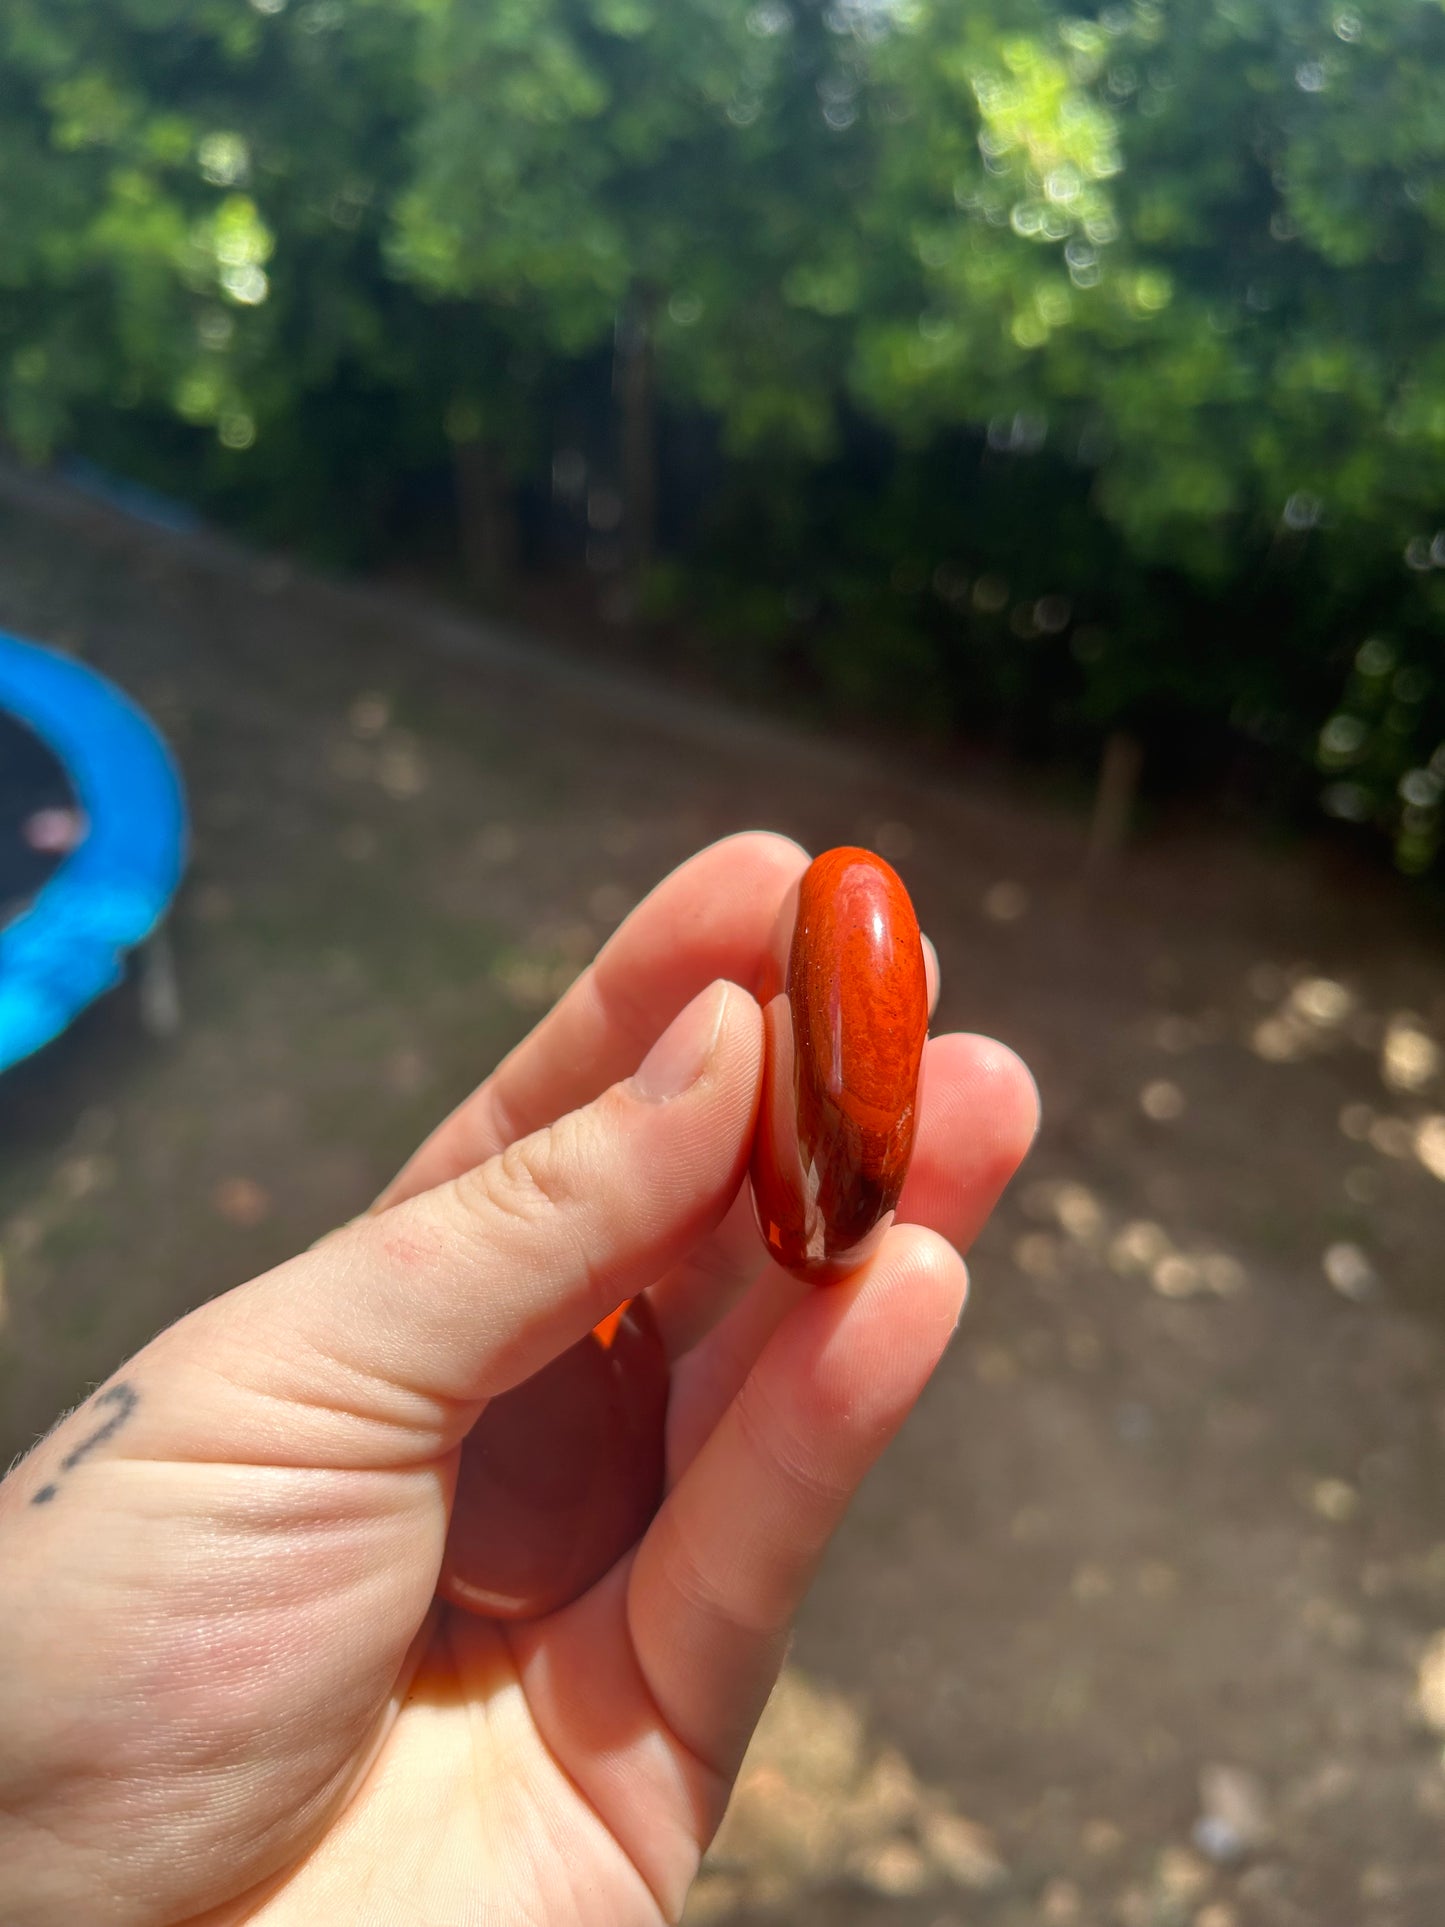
(1430,1145)
(1409,1056)
(1349,1270)
(1315,1013)
(1422,1138)
(1335,1500)
(1430,1685)
(1311,1014)
(1138,1248)
(1162,1100)
(1005,902)
(819,1801)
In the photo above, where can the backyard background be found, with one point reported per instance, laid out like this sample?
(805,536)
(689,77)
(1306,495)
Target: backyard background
(506,446)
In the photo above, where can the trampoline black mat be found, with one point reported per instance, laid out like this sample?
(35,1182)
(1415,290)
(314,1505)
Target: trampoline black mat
(32,782)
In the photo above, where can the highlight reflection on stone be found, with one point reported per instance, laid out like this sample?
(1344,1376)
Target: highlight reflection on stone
(845,1018)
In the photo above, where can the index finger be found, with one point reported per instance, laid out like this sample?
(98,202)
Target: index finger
(710,918)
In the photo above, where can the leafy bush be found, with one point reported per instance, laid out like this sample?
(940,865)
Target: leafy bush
(1058,371)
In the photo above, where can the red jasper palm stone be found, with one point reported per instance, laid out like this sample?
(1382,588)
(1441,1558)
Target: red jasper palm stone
(845,1015)
(560,1475)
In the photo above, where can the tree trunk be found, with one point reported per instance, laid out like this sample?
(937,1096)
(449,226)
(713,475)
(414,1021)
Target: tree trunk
(1118,786)
(634,395)
(486,528)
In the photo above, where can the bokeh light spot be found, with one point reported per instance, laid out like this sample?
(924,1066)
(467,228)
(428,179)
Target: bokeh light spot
(1162,1101)
(1005,902)
(1350,1272)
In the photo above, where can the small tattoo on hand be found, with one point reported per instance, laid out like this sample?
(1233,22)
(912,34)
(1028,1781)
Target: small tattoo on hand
(122,1399)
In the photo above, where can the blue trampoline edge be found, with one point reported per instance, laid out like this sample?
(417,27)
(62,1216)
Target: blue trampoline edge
(69,945)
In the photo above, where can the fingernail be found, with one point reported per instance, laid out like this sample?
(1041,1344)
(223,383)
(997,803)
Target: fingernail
(682,1053)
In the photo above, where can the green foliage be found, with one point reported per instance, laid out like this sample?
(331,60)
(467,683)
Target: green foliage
(1070,368)
(197,197)
(574,154)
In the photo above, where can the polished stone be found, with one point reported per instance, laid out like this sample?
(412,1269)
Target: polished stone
(845,1016)
(561,1475)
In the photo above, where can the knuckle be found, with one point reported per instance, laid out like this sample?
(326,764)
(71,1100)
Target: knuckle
(799,1470)
(525,1182)
(537,1171)
(714,1595)
(539,1187)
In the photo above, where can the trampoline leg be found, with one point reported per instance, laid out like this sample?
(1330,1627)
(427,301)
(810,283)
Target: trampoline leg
(160,996)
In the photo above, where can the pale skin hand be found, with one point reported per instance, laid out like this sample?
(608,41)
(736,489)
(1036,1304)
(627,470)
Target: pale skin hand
(226,1691)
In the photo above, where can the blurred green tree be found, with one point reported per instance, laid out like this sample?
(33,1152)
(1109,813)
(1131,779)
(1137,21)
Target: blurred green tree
(1199,251)
(667,178)
(197,196)
(1071,371)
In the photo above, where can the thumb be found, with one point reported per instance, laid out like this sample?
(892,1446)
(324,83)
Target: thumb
(379,1346)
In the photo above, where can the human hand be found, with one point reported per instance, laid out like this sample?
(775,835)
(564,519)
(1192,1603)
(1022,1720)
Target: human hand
(227,1691)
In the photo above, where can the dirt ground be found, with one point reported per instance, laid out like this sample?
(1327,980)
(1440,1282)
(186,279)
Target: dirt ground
(1140,1622)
